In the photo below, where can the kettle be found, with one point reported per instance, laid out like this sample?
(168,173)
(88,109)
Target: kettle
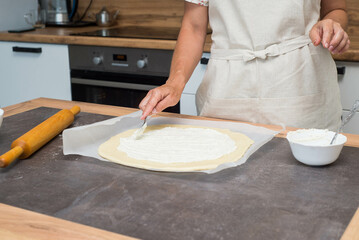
(59,12)
(105,18)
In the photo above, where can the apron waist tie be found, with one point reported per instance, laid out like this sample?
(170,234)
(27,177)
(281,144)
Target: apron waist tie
(270,51)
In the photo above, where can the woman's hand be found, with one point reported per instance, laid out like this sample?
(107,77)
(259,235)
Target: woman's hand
(331,35)
(160,98)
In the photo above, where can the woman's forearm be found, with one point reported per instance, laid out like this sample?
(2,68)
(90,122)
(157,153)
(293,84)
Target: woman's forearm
(189,46)
(187,53)
(334,10)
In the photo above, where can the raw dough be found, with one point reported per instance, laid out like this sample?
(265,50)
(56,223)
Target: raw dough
(221,146)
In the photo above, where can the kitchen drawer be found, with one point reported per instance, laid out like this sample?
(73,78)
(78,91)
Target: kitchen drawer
(31,70)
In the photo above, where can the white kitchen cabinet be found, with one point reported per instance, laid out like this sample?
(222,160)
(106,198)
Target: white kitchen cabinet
(353,125)
(33,70)
(188,98)
(188,104)
(349,90)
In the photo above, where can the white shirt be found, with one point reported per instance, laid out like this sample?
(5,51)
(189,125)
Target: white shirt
(200,2)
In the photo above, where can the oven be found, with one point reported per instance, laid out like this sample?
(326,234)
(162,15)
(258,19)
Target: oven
(117,76)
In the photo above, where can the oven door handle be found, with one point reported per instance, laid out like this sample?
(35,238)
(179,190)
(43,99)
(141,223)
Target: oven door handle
(100,83)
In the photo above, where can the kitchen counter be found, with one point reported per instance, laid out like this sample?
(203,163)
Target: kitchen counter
(58,35)
(24,224)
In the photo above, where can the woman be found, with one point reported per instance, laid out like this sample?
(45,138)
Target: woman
(270,61)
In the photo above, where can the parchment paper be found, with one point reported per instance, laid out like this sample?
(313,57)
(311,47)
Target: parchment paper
(85,140)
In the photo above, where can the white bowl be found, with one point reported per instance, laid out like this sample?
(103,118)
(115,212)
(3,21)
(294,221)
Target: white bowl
(314,149)
(1,116)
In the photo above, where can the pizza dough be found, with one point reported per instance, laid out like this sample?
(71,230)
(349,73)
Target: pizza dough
(178,148)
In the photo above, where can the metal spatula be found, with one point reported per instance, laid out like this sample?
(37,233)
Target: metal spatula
(346,119)
(138,133)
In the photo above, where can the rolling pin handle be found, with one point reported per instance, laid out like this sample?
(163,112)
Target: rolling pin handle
(75,110)
(7,158)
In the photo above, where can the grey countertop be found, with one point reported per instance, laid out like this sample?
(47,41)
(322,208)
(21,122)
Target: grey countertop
(271,196)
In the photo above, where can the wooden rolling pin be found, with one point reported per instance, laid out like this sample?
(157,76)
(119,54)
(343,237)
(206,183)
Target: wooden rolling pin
(37,137)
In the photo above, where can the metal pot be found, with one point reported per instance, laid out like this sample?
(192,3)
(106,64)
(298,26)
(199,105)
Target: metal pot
(105,18)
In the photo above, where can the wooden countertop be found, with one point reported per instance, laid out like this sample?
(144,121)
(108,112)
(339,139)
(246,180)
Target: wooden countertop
(59,35)
(17,223)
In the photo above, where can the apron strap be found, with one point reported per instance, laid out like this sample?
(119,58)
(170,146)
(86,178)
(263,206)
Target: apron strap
(271,51)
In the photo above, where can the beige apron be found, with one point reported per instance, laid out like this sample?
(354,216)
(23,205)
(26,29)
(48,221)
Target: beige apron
(264,68)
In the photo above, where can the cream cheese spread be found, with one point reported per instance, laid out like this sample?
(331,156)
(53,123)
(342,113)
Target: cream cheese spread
(178,145)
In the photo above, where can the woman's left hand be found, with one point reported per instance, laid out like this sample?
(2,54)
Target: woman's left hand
(331,35)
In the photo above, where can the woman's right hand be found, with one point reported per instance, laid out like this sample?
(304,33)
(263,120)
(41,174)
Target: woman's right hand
(160,98)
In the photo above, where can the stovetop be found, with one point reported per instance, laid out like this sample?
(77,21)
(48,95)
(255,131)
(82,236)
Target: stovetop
(134,32)
(71,24)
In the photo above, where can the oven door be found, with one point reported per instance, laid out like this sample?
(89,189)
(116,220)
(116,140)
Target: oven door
(125,90)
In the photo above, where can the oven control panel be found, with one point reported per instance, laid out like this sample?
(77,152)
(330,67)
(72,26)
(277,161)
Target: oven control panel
(154,62)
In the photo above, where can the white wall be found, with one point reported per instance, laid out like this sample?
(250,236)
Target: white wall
(12,13)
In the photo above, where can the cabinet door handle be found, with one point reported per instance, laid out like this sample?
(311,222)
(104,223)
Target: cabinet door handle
(341,70)
(204,61)
(26,49)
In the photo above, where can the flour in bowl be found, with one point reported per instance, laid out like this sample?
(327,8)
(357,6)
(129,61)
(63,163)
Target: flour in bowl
(314,137)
